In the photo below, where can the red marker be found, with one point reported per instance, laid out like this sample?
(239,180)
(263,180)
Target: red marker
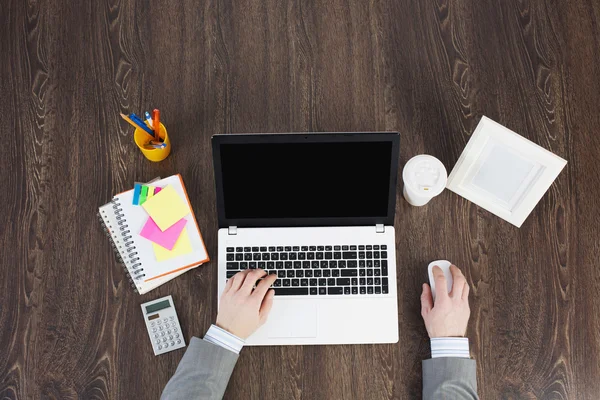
(156,123)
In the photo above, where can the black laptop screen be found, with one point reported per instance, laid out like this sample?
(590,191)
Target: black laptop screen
(306,180)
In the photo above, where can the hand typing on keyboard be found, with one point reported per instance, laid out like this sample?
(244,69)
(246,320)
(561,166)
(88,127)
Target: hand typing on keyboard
(328,270)
(245,304)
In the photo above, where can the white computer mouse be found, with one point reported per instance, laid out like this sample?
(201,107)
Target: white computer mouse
(445,266)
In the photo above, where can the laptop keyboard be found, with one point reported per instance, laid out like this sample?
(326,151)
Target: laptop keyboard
(317,270)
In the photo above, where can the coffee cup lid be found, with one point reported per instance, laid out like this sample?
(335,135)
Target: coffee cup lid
(425,175)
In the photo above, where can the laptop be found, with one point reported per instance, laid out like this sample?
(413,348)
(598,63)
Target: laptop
(317,209)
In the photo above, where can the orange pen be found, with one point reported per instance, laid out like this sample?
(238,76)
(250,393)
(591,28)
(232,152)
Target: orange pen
(156,123)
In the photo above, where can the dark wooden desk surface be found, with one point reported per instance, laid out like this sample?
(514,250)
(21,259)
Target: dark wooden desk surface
(70,327)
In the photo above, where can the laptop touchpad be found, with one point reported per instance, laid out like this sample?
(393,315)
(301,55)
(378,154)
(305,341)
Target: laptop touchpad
(292,319)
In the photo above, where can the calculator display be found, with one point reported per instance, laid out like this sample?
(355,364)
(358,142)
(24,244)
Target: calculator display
(157,306)
(150,318)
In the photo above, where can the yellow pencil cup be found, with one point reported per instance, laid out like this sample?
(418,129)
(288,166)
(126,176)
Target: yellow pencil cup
(142,138)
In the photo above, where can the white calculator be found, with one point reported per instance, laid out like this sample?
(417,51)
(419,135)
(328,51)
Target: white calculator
(163,325)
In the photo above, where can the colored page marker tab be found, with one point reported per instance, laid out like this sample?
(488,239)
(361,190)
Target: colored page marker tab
(143,195)
(157,189)
(136,194)
(150,192)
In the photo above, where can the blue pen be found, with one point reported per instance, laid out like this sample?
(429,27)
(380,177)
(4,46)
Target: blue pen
(141,124)
(138,120)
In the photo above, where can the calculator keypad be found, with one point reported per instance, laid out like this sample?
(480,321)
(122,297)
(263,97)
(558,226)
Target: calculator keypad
(163,327)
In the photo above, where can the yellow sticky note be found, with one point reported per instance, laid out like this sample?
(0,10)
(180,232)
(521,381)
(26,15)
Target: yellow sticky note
(150,192)
(166,208)
(182,246)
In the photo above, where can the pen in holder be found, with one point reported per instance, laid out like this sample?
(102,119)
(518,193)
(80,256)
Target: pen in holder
(142,140)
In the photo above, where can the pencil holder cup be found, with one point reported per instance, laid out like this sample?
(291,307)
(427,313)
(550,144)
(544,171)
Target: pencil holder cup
(142,138)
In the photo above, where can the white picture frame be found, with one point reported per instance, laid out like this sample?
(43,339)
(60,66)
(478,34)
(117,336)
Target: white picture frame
(504,173)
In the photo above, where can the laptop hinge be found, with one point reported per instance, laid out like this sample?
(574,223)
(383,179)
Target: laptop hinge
(380,228)
(232,230)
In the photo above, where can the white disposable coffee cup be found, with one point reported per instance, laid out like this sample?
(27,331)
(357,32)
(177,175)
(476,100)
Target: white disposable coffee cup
(424,178)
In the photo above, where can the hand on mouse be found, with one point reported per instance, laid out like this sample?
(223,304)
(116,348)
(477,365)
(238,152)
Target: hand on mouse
(242,309)
(450,314)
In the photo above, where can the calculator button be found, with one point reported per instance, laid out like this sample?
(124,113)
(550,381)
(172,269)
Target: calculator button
(160,328)
(173,324)
(177,335)
(153,329)
(162,334)
(169,332)
(172,318)
(175,329)
(171,337)
(156,335)
(166,345)
(157,341)
(172,343)
(159,347)
(165,320)
(152,323)
(178,341)
(164,339)
(158,322)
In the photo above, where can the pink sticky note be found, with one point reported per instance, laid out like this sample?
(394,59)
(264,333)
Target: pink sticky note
(157,189)
(166,238)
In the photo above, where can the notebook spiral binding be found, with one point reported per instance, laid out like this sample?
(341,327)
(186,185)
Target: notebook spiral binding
(135,270)
(117,254)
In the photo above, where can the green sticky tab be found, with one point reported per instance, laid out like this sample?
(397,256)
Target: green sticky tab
(143,194)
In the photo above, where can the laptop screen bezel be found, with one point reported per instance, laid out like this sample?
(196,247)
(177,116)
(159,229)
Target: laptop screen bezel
(338,137)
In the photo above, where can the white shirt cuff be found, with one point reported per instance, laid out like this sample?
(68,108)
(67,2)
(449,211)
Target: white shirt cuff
(450,347)
(222,338)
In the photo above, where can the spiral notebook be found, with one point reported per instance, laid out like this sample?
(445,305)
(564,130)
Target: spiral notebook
(123,222)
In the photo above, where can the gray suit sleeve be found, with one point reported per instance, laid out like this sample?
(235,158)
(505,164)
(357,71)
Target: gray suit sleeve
(202,373)
(449,378)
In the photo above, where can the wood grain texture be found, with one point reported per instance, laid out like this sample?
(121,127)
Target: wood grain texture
(69,325)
